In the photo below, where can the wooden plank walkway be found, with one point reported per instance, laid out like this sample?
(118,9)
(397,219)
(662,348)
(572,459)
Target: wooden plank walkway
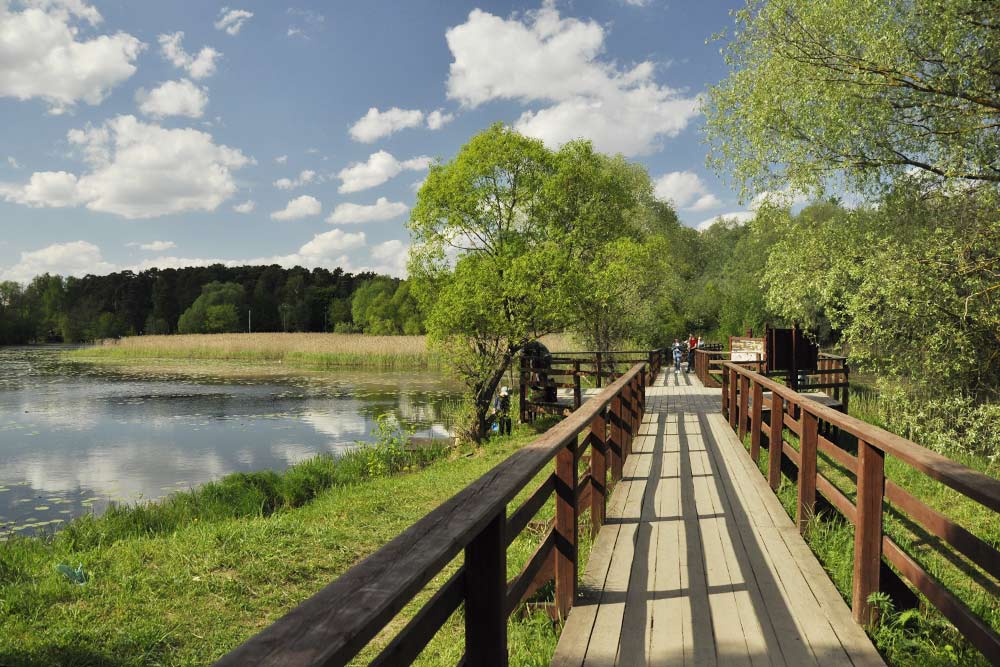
(698,564)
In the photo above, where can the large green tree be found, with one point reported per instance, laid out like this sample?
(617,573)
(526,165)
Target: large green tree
(512,241)
(484,261)
(216,310)
(859,92)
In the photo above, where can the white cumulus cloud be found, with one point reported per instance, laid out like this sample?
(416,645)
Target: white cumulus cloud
(377,124)
(173,98)
(232,20)
(686,190)
(353,214)
(300,207)
(438,119)
(246,207)
(138,170)
(305,177)
(379,168)
(197,66)
(547,59)
(76,258)
(281,159)
(390,258)
(157,246)
(43,56)
(12,162)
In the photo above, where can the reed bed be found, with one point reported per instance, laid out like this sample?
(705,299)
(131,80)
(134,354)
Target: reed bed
(305,349)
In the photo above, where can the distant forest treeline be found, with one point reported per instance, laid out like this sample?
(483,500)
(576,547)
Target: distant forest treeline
(207,299)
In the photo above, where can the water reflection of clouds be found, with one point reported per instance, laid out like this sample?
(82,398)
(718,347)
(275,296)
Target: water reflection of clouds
(99,435)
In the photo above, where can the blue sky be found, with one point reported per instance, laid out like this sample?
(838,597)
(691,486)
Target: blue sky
(250,137)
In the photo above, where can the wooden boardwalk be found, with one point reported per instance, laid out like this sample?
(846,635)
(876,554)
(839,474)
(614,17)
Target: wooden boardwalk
(698,564)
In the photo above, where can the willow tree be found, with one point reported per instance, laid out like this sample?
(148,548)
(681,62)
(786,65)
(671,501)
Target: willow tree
(859,91)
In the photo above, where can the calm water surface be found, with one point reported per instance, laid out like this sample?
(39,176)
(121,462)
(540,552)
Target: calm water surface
(74,437)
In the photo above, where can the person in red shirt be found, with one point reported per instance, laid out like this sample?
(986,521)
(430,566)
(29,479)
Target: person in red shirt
(692,346)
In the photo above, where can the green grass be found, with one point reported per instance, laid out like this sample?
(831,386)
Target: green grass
(908,637)
(185,580)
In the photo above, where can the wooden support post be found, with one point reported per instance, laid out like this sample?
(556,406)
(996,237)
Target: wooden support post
(744,399)
(566,529)
(725,393)
(868,531)
(774,441)
(486,595)
(523,394)
(755,419)
(598,370)
(807,470)
(615,441)
(734,384)
(577,389)
(598,472)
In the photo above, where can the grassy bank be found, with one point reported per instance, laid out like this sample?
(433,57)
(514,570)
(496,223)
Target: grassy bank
(184,581)
(921,636)
(315,350)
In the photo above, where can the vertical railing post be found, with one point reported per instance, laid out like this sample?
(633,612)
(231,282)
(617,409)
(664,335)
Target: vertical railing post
(598,369)
(598,472)
(807,469)
(577,389)
(615,439)
(523,395)
(756,410)
(744,398)
(486,595)
(775,440)
(868,530)
(734,411)
(725,392)
(566,528)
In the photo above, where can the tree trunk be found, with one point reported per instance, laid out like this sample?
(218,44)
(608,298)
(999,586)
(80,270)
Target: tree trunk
(484,397)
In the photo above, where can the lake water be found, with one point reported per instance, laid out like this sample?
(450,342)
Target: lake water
(75,436)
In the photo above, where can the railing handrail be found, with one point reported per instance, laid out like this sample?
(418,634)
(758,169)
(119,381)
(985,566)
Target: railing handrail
(971,483)
(334,624)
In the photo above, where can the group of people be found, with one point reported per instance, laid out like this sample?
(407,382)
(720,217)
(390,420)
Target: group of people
(679,350)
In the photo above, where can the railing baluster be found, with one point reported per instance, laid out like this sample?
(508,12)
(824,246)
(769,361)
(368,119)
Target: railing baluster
(566,529)
(725,393)
(486,595)
(755,417)
(744,397)
(598,472)
(775,439)
(733,409)
(807,470)
(615,439)
(577,389)
(868,531)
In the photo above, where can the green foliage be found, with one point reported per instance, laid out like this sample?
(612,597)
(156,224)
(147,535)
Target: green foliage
(215,311)
(513,241)
(862,90)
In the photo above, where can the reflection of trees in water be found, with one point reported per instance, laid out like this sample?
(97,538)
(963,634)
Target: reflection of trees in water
(426,412)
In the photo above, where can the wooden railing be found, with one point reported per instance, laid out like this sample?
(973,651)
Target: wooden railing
(708,366)
(567,371)
(744,404)
(331,627)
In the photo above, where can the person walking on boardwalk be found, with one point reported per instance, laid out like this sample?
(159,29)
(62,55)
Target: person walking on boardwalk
(692,346)
(677,355)
(501,408)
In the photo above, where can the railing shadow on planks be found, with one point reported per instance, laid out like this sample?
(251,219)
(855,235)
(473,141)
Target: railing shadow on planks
(335,624)
(745,405)
(567,370)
